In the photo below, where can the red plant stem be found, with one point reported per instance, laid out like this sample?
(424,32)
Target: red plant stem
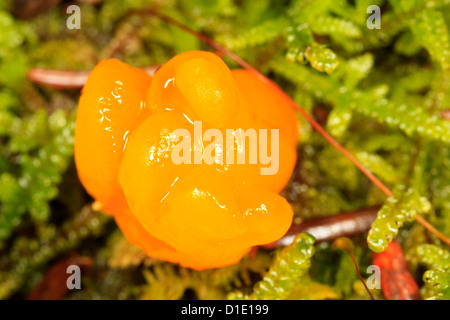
(325,229)
(397,281)
(342,150)
(359,275)
(432,229)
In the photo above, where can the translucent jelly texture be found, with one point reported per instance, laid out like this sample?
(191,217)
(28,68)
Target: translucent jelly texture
(202,215)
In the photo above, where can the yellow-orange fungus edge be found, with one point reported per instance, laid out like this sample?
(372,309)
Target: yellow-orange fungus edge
(199,215)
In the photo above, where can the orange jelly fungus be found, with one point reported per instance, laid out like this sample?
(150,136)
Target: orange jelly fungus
(198,215)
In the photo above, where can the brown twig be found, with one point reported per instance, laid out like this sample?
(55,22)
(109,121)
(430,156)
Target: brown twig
(325,229)
(28,9)
(53,284)
(59,79)
(65,79)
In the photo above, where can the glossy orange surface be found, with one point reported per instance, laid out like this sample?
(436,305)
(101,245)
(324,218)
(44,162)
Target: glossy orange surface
(202,215)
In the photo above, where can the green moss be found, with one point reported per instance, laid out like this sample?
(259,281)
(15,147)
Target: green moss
(437,279)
